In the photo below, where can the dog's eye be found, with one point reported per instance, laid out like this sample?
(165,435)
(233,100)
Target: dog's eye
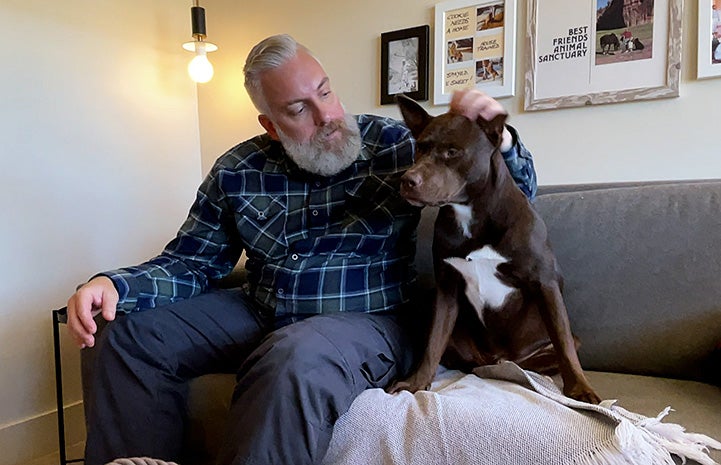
(451,153)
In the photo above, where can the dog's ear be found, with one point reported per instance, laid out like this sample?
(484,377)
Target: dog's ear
(414,115)
(493,128)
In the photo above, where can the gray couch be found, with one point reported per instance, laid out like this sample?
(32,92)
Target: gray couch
(642,268)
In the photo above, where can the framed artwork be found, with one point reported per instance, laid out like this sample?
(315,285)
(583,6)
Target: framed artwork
(709,35)
(603,51)
(475,46)
(404,64)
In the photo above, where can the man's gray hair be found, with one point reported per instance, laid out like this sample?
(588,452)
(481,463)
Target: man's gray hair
(270,53)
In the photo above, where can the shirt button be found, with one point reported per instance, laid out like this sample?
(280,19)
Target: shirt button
(317,184)
(315,212)
(294,256)
(280,291)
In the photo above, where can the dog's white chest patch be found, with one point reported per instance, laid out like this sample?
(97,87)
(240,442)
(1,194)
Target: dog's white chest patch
(483,288)
(464,216)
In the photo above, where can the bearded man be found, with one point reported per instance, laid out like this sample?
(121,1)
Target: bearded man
(315,205)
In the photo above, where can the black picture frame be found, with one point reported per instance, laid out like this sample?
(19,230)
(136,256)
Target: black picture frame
(404,64)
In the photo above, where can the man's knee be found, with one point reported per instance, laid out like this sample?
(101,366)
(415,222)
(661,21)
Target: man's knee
(300,351)
(354,351)
(135,336)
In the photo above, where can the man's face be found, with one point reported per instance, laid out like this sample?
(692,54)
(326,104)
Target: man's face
(307,118)
(299,99)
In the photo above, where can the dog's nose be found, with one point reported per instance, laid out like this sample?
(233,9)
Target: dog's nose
(411,180)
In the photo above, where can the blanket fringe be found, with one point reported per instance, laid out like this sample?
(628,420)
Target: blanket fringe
(609,455)
(648,440)
(640,440)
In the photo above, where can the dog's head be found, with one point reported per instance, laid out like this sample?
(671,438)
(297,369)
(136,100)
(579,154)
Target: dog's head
(452,153)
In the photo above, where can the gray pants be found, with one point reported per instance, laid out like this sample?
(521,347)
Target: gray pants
(292,383)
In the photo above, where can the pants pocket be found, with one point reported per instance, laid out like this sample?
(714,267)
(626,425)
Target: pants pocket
(378,370)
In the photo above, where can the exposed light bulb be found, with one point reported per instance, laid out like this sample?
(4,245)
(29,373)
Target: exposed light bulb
(199,68)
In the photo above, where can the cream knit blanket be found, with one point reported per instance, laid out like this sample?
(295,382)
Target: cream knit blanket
(510,416)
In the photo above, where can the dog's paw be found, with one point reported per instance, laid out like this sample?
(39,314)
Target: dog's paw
(409,384)
(583,393)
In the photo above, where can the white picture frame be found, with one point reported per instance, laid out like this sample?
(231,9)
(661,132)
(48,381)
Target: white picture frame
(597,74)
(475,46)
(709,20)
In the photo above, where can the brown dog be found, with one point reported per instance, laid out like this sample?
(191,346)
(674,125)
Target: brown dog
(499,286)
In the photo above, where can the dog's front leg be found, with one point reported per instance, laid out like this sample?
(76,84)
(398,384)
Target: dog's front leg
(555,317)
(445,313)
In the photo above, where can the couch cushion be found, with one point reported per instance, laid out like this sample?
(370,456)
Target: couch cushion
(641,267)
(696,406)
(208,406)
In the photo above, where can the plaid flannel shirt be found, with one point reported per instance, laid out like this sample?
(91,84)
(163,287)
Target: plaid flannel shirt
(313,244)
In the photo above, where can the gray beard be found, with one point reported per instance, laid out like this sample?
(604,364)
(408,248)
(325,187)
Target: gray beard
(319,156)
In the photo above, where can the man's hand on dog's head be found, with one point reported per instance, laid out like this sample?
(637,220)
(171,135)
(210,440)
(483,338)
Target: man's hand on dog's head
(472,103)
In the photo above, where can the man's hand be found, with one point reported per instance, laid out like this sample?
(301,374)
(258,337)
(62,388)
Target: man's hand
(472,103)
(97,295)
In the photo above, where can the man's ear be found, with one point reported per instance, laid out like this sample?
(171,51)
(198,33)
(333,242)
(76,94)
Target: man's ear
(493,128)
(268,126)
(414,115)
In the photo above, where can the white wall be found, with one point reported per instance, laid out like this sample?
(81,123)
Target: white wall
(663,139)
(99,162)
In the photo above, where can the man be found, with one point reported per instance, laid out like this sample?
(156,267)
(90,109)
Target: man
(330,245)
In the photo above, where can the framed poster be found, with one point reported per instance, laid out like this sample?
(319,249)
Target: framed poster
(709,35)
(404,64)
(602,51)
(475,46)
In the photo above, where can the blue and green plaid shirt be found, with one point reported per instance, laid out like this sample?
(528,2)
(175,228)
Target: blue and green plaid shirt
(313,244)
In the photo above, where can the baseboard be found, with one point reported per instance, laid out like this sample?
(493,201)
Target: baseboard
(32,438)
(73,451)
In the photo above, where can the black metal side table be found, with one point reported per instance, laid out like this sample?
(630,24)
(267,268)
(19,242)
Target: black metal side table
(60,316)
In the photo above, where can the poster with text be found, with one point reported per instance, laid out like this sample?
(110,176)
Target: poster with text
(474,42)
(601,51)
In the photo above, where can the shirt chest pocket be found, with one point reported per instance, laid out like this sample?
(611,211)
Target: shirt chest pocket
(261,221)
(373,203)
